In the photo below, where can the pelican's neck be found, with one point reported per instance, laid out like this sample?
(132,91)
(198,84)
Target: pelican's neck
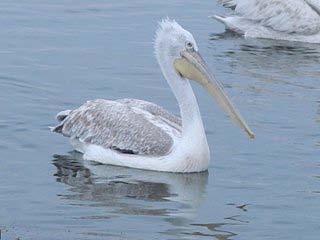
(189,109)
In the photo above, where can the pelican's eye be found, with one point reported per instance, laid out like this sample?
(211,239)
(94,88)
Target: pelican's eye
(189,46)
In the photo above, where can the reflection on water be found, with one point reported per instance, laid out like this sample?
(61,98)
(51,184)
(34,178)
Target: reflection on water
(123,189)
(218,234)
(287,63)
(225,35)
(132,192)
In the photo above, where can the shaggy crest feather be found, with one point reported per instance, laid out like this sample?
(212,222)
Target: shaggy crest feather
(170,38)
(166,26)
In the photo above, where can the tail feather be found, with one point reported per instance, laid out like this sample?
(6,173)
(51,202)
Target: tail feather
(57,129)
(61,116)
(234,24)
(220,19)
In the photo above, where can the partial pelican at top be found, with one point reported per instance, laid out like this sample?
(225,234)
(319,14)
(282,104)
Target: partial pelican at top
(140,134)
(292,20)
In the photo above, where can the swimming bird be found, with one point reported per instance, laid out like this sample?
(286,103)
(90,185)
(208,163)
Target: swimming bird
(292,20)
(140,134)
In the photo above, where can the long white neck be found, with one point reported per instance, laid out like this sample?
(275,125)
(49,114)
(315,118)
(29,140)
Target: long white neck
(189,109)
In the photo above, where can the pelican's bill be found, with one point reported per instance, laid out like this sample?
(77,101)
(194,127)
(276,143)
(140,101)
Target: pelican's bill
(192,66)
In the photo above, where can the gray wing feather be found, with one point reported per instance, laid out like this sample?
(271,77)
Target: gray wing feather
(115,125)
(152,108)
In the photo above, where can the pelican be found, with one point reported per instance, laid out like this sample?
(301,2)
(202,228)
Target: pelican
(291,20)
(139,134)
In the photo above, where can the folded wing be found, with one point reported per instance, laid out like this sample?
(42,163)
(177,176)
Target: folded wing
(120,125)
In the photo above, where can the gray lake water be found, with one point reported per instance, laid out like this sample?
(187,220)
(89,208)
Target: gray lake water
(57,54)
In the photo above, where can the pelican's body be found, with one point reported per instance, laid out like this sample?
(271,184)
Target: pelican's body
(292,20)
(140,134)
(135,133)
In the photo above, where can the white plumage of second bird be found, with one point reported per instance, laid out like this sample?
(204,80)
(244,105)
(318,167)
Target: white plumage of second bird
(292,20)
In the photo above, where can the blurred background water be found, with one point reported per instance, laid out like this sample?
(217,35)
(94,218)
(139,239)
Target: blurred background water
(57,54)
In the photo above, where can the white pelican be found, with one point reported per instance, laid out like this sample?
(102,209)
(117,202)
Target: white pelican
(292,20)
(139,134)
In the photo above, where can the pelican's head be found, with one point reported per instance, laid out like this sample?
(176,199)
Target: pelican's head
(171,39)
(176,49)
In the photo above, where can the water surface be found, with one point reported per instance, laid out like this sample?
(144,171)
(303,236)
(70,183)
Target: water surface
(57,54)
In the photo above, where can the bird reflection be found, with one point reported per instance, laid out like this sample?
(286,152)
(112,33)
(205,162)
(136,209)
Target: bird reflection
(173,197)
(268,60)
(227,34)
(128,191)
